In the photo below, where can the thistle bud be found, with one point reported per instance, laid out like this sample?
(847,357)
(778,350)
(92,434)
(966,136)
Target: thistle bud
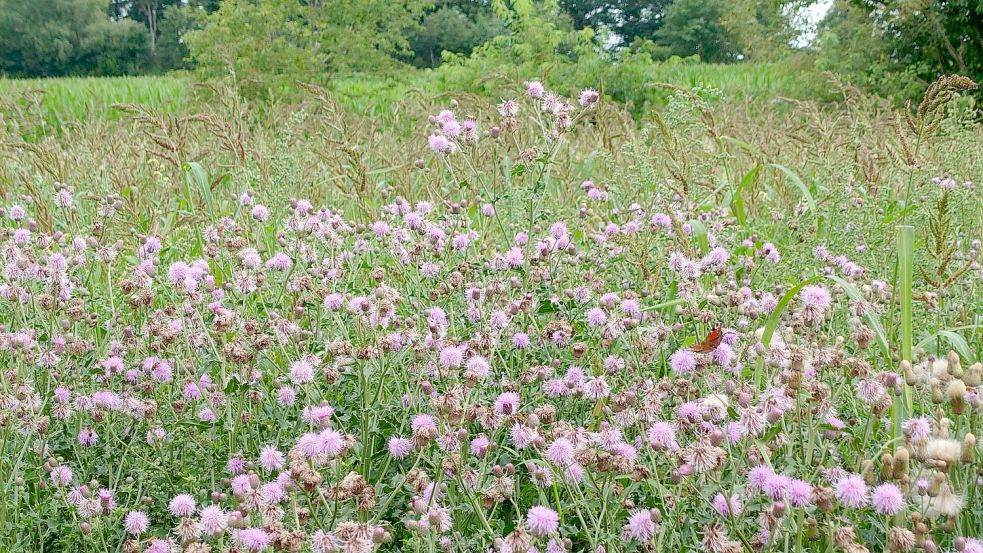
(974,375)
(909,374)
(812,529)
(957,396)
(969,448)
(937,395)
(867,470)
(955,368)
(901,457)
(887,466)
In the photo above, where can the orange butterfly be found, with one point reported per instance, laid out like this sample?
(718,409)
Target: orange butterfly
(710,343)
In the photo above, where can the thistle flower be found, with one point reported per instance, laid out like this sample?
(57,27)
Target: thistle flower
(270,458)
(542,521)
(560,452)
(683,361)
(640,526)
(136,523)
(887,499)
(535,89)
(252,539)
(214,520)
(726,508)
(182,505)
(588,98)
(399,447)
(852,491)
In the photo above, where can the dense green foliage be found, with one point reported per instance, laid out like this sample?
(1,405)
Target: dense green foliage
(67,37)
(894,48)
(697,26)
(897,47)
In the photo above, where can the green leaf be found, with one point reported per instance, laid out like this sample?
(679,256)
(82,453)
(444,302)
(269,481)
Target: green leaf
(197,178)
(958,343)
(700,233)
(798,184)
(737,202)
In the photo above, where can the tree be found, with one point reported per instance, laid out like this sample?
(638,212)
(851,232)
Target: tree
(172,51)
(454,26)
(697,27)
(883,44)
(40,38)
(268,43)
(627,19)
(166,22)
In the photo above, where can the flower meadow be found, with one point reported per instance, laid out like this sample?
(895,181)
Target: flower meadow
(508,355)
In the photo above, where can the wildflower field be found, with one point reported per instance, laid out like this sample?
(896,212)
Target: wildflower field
(531,320)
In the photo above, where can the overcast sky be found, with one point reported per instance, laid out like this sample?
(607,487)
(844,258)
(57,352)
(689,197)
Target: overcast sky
(811,16)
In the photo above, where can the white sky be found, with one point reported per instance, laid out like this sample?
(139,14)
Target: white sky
(811,16)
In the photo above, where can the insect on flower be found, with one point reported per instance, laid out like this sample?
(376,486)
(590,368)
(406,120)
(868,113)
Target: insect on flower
(710,343)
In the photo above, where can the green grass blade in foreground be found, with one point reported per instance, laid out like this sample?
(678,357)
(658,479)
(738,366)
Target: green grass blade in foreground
(798,184)
(906,266)
(737,203)
(955,340)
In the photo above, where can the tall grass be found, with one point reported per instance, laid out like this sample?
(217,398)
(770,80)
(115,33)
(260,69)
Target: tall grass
(63,100)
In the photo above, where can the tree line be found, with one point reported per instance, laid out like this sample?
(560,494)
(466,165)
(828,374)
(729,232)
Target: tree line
(886,44)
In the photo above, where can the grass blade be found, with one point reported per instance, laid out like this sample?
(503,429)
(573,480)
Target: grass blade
(798,184)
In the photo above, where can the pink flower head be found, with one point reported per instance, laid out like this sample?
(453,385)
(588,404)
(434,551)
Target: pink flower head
(542,521)
(800,493)
(182,505)
(424,425)
(452,356)
(507,403)
(758,476)
(596,317)
(252,539)
(260,213)
(136,523)
(399,447)
(661,435)
(271,459)
(440,144)
(683,361)
(816,296)
(640,525)
(301,371)
(560,452)
(727,508)
(279,262)
(887,499)
(589,97)
(61,476)
(851,490)
(535,89)
(214,520)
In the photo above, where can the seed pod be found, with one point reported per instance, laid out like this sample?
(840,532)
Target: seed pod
(937,395)
(901,457)
(867,470)
(955,368)
(909,374)
(969,448)
(957,396)
(974,375)
(812,529)
(887,466)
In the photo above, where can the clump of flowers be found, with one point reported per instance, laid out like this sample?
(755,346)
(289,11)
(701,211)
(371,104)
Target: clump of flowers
(495,370)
